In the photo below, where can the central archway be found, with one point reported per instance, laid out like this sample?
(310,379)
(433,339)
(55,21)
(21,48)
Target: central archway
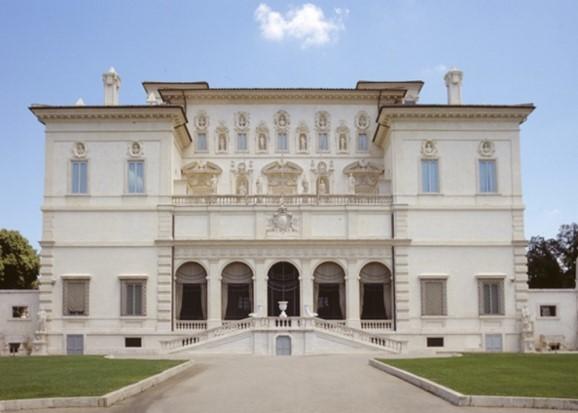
(283,285)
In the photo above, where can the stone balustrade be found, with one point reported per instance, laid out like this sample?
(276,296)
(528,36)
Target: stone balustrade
(276,200)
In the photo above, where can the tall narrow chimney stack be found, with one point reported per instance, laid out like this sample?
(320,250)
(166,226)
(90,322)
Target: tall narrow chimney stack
(453,80)
(111,81)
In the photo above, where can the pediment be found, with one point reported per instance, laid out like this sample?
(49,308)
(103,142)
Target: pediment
(282,168)
(363,168)
(200,168)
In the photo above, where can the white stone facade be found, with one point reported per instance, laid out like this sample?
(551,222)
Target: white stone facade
(297,176)
(18,320)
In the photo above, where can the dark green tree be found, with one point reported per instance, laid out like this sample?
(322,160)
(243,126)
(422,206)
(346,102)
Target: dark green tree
(552,262)
(19,262)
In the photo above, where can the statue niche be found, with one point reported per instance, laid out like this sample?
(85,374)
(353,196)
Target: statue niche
(323,174)
(363,177)
(282,177)
(202,177)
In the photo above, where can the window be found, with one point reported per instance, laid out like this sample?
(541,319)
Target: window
(488,182)
(136,177)
(430,176)
(242,142)
(79,183)
(133,341)
(362,142)
(491,296)
(20,312)
(282,142)
(133,297)
(548,311)
(202,142)
(433,297)
(75,297)
(435,341)
(323,142)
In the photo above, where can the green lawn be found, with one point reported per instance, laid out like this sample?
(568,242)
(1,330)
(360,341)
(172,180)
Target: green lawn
(505,374)
(61,376)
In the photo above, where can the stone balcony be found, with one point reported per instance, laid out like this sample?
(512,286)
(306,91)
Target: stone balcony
(287,200)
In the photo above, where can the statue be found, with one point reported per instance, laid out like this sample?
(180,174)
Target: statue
(262,142)
(213,182)
(302,142)
(242,187)
(305,185)
(322,187)
(351,183)
(222,142)
(342,142)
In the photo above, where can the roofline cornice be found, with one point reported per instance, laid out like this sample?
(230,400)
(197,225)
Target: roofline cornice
(515,112)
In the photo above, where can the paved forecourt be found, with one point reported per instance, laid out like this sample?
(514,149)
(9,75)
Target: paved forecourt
(315,384)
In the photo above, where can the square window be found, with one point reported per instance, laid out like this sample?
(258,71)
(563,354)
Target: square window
(133,341)
(491,296)
(435,341)
(323,142)
(548,311)
(282,142)
(433,297)
(133,300)
(135,177)
(242,142)
(202,144)
(488,179)
(79,184)
(75,297)
(20,312)
(430,176)
(362,142)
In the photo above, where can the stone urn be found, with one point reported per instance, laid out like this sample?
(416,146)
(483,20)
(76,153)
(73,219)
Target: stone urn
(283,307)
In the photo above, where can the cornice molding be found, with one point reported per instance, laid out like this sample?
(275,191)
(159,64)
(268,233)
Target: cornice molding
(514,112)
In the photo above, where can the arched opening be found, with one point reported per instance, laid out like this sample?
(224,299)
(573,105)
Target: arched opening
(329,291)
(376,294)
(237,291)
(283,285)
(191,292)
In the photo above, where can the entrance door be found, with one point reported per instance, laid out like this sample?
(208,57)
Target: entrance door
(75,344)
(373,302)
(328,305)
(283,346)
(192,305)
(283,285)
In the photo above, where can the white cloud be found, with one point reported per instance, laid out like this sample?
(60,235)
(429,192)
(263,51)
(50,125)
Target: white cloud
(307,24)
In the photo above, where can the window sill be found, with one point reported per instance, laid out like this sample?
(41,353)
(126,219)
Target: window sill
(133,317)
(430,194)
(20,319)
(83,195)
(492,316)
(135,195)
(554,318)
(434,317)
(488,194)
(75,317)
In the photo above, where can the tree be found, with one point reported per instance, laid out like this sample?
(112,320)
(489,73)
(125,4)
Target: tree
(552,262)
(19,262)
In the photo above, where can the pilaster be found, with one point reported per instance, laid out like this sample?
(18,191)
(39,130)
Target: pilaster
(214,317)
(402,288)
(306,280)
(352,294)
(164,288)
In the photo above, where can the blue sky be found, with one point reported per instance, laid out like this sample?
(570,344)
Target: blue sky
(510,51)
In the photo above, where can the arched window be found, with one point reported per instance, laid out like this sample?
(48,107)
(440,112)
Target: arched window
(237,291)
(191,292)
(329,291)
(375,292)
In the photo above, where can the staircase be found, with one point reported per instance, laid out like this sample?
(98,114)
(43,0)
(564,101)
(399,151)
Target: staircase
(229,329)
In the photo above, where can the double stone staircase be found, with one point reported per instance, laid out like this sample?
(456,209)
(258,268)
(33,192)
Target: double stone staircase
(356,337)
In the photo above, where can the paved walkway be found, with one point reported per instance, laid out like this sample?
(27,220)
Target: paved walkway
(310,384)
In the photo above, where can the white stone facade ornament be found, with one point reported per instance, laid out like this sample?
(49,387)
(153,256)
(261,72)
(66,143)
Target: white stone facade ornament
(302,135)
(242,121)
(202,177)
(282,221)
(222,135)
(282,177)
(323,174)
(362,121)
(486,148)
(281,120)
(283,308)
(364,177)
(527,330)
(429,148)
(202,121)
(262,137)
(241,178)
(79,150)
(322,121)
(79,102)
(342,135)
(135,149)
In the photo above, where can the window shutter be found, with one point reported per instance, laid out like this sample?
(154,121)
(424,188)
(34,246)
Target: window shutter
(433,297)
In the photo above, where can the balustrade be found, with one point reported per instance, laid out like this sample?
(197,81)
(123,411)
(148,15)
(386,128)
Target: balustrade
(275,200)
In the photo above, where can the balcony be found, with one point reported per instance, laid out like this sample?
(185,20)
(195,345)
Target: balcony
(288,200)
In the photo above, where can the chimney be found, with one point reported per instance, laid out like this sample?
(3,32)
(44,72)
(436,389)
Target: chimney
(453,80)
(111,81)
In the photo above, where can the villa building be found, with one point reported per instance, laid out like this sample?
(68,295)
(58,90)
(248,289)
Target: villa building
(282,221)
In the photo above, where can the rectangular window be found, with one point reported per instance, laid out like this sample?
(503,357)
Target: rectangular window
(491,296)
(430,176)
(202,145)
(323,142)
(136,177)
(20,312)
(242,142)
(362,142)
(133,341)
(79,183)
(435,341)
(488,181)
(548,311)
(282,142)
(133,297)
(433,297)
(75,297)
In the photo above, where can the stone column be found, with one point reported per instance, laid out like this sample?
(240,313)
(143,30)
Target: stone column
(214,317)
(306,277)
(352,294)
(260,288)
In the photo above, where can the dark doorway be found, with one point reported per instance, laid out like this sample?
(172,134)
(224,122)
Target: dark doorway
(283,285)
(373,302)
(192,305)
(328,305)
(238,301)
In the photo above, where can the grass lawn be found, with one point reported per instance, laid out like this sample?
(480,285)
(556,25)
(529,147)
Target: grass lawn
(62,376)
(505,374)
